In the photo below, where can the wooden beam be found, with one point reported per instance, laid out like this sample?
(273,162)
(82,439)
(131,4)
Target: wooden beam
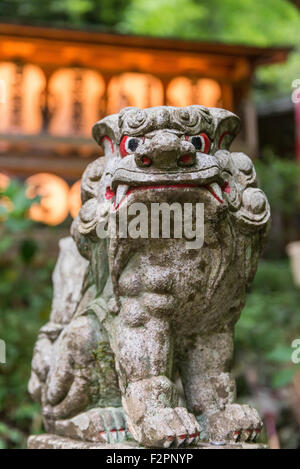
(25,165)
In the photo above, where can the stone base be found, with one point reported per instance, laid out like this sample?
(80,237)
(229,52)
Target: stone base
(47,441)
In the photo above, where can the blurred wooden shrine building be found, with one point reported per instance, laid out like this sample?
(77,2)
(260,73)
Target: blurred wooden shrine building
(58,83)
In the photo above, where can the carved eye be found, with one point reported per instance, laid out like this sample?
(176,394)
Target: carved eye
(129,145)
(201,142)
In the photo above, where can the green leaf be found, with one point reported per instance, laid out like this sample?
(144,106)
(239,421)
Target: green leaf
(5,243)
(3,428)
(2,444)
(281,354)
(283,377)
(17,225)
(28,249)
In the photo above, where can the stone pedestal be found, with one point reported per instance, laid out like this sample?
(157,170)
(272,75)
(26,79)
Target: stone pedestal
(48,441)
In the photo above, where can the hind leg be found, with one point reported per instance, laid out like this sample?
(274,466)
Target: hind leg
(82,376)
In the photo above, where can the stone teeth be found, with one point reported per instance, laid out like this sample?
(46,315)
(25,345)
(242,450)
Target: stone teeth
(113,436)
(103,436)
(120,193)
(217,190)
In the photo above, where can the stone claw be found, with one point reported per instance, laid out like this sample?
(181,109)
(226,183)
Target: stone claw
(236,424)
(169,428)
(256,434)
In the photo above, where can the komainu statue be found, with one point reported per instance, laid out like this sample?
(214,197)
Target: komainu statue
(140,340)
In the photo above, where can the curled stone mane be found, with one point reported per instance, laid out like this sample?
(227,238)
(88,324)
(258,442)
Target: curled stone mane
(135,122)
(84,226)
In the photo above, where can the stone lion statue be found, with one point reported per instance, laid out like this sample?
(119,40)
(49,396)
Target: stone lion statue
(140,339)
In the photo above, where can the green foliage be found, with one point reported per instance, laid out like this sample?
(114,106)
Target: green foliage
(13,213)
(269,323)
(275,81)
(9,434)
(103,13)
(25,298)
(280,180)
(269,22)
(164,18)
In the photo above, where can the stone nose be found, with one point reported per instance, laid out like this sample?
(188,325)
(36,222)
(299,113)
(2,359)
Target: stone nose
(165,151)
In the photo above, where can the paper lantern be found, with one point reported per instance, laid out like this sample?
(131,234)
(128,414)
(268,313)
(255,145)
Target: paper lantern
(4,181)
(183,91)
(134,89)
(20,111)
(75,101)
(54,191)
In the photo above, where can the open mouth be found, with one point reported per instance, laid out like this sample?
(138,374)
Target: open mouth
(124,190)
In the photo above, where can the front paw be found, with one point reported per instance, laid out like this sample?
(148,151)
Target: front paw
(167,427)
(236,423)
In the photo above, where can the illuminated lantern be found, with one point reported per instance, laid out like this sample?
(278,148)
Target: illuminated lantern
(2,92)
(208,92)
(75,101)
(75,199)
(179,92)
(20,112)
(183,91)
(4,181)
(134,89)
(53,207)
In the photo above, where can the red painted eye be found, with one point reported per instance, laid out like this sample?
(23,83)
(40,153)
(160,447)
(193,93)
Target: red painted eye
(201,142)
(128,145)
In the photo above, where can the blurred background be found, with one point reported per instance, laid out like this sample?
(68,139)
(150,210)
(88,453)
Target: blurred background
(64,65)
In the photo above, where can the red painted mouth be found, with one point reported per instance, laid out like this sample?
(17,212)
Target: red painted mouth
(173,186)
(111,194)
(214,194)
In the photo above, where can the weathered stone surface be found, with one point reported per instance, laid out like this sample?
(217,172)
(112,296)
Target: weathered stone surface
(55,442)
(47,441)
(133,317)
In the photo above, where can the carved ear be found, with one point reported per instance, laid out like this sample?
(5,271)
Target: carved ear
(227,126)
(106,131)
